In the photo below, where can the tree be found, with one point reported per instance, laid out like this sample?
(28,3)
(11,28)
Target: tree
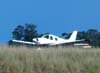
(91,34)
(94,35)
(64,35)
(81,35)
(26,32)
(18,32)
(30,32)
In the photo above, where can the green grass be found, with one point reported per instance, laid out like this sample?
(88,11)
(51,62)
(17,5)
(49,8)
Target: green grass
(49,60)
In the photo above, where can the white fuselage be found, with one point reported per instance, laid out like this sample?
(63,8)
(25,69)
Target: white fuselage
(50,39)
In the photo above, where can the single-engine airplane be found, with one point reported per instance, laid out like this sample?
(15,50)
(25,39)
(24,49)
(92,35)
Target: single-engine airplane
(50,39)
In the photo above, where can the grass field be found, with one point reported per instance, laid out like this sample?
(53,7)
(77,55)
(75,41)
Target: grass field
(49,60)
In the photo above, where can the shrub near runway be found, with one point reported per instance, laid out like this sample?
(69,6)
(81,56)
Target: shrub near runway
(49,60)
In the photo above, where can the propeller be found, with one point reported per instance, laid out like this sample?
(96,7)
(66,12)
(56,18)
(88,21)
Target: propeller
(36,40)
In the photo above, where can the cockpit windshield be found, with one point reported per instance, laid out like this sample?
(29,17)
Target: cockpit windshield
(50,37)
(46,36)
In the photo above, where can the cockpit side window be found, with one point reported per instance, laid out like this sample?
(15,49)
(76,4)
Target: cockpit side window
(51,38)
(56,39)
(47,36)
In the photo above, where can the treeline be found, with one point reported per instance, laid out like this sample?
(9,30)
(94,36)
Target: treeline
(28,31)
(92,34)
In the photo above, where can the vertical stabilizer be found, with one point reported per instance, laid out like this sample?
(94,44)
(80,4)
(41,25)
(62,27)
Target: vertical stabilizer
(73,36)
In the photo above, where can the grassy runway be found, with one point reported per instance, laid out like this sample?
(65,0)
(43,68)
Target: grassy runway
(49,60)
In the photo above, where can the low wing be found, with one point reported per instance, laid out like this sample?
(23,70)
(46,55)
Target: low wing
(23,42)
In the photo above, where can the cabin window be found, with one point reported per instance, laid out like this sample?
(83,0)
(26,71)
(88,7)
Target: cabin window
(56,39)
(47,37)
(51,38)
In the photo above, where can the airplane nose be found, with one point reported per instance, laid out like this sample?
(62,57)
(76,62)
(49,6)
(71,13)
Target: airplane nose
(35,39)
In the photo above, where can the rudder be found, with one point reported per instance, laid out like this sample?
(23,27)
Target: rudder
(73,36)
